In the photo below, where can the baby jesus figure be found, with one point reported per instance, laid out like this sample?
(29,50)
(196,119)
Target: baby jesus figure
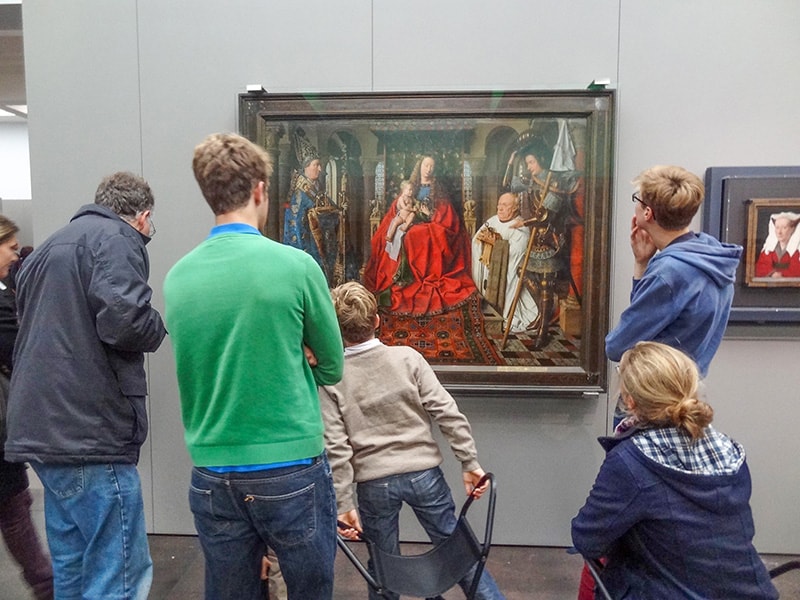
(409,211)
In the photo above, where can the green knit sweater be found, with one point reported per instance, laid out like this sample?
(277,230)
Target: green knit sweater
(238,309)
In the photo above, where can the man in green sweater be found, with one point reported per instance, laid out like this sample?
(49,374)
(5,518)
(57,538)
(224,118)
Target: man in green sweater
(244,313)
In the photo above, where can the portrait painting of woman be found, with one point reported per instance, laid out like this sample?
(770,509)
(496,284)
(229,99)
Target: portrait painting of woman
(780,256)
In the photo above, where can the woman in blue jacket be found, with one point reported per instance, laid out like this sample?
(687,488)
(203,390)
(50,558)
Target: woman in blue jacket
(670,508)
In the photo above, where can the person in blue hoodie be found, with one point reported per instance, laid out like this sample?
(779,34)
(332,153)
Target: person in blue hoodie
(682,281)
(670,508)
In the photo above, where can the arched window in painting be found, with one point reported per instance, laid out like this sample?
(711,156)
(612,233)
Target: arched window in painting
(332,179)
(380,181)
(468,204)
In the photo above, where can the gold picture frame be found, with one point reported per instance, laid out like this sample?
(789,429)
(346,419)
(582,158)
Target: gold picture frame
(368,143)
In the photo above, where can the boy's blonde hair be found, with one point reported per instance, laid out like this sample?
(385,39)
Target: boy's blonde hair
(355,309)
(663,383)
(672,193)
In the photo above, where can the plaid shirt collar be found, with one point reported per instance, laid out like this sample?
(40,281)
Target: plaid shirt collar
(713,454)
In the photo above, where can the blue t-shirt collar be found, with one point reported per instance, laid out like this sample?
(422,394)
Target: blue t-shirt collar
(233,228)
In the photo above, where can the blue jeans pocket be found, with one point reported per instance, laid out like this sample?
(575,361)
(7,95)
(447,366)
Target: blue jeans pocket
(62,482)
(296,513)
(200,500)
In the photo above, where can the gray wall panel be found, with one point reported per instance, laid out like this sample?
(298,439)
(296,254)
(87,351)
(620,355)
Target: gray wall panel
(81,63)
(507,44)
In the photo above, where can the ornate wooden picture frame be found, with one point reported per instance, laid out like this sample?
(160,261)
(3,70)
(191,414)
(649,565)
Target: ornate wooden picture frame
(480,220)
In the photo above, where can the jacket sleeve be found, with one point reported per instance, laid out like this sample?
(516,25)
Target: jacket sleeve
(610,510)
(652,309)
(321,328)
(337,446)
(120,296)
(442,408)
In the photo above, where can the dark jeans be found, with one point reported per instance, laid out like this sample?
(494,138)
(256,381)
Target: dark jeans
(291,509)
(427,493)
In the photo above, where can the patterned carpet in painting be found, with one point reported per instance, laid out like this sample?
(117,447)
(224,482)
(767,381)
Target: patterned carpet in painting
(467,336)
(454,337)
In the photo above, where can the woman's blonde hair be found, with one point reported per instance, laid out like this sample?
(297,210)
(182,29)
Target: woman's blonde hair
(663,383)
(355,309)
(7,229)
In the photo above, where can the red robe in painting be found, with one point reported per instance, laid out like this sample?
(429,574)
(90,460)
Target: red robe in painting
(787,265)
(438,255)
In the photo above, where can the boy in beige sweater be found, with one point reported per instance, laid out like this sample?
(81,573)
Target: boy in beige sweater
(378,435)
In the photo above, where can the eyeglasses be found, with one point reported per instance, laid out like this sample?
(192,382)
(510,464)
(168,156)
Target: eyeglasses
(152,226)
(635,198)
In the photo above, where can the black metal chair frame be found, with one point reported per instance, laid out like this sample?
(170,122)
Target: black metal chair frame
(437,570)
(596,567)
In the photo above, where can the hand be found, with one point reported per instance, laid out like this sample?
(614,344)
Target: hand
(351,519)
(642,247)
(471,479)
(265,565)
(310,356)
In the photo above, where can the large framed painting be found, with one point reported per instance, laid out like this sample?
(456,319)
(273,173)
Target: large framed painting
(759,209)
(480,221)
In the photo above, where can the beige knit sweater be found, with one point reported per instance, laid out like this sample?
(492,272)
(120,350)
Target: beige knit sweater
(378,419)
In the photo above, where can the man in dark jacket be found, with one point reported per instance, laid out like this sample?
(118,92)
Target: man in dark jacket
(77,401)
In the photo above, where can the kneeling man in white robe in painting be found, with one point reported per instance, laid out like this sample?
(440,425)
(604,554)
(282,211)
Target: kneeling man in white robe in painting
(496,273)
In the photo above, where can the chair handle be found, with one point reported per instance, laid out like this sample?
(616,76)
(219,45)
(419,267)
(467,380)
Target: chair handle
(487,535)
(783,568)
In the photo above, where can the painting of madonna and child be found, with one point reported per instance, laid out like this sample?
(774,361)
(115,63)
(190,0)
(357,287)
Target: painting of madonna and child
(470,232)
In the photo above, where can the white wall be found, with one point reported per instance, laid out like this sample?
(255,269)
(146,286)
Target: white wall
(15,177)
(699,84)
(15,164)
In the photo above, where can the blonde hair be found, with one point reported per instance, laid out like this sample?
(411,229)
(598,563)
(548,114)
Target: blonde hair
(672,193)
(355,309)
(8,229)
(227,167)
(663,383)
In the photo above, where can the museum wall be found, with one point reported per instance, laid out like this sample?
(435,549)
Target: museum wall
(137,84)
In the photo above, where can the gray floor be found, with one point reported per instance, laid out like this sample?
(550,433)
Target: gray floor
(522,572)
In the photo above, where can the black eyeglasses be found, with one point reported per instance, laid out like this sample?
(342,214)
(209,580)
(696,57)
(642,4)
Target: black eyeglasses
(635,198)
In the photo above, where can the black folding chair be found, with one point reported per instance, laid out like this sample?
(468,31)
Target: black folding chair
(596,567)
(437,570)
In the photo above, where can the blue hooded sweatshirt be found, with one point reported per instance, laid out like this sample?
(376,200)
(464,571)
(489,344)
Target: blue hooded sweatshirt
(682,300)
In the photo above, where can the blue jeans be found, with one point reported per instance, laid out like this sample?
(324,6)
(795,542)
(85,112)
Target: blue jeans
(427,493)
(290,509)
(94,518)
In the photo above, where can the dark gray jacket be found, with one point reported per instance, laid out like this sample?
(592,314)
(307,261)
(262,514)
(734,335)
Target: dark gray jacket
(78,388)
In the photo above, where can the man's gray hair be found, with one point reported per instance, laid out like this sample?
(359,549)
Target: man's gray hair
(124,193)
